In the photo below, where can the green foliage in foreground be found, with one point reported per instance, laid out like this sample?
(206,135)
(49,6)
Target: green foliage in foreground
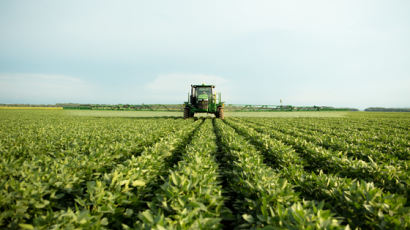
(108,171)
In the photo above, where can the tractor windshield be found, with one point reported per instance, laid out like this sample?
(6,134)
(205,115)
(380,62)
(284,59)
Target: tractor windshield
(204,92)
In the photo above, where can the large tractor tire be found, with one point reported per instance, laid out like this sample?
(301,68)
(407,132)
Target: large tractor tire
(186,113)
(220,113)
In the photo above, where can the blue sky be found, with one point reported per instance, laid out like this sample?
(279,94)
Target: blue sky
(338,53)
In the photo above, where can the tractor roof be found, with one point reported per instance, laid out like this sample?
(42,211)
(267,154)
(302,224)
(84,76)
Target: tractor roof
(203,85)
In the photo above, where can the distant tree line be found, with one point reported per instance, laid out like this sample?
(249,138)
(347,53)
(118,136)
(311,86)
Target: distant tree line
(233,107)
(228,107)
(30,105)
(179,107)
(382,109)
(125,107)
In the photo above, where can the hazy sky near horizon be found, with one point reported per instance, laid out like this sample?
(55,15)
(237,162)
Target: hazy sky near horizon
(350,53)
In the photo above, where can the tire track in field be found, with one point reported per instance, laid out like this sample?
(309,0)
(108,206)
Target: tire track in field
(225,170)
(181,148)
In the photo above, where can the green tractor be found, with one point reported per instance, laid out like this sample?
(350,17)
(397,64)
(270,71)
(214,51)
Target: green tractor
(202,99)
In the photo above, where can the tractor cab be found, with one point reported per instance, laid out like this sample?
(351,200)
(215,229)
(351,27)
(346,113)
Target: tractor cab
(201,96)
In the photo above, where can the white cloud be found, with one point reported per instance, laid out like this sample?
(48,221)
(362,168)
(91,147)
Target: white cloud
(44,88)
(174,88)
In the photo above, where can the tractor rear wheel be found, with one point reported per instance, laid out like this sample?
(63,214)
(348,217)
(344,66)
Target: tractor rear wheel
(186,113)
(220,113)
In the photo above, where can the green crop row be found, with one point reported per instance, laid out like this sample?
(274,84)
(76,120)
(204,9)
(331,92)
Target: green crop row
(388,177)
(191,196)
(340,143)
(113,200)
(47,179)
(387,140)
(264,198)
(60,170)
(360,203)
(355,151)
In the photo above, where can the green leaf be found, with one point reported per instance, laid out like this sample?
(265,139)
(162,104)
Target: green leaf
(248,218)
(26,226)
(104,221)
(136,183)
(147,216)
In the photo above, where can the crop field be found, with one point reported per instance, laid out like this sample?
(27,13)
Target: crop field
(118,170)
